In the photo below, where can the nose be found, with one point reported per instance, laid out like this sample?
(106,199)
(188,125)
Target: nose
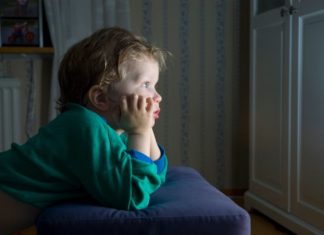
(157,97)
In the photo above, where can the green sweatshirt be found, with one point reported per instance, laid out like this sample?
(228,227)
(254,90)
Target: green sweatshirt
(78,155)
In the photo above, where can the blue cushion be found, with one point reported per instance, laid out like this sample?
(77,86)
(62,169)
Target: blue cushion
(185,204)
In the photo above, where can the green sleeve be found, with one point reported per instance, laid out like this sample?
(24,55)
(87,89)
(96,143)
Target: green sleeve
(74,156)
(112,176)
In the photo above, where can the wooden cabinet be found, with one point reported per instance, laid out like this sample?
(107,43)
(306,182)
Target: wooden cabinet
(287,113)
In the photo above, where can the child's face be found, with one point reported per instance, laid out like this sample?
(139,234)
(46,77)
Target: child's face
(141,77)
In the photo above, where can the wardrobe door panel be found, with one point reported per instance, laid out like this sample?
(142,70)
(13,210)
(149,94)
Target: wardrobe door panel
(268,166)
(308,131)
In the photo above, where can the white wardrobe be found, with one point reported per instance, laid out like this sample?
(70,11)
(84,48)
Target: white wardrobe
(287,113)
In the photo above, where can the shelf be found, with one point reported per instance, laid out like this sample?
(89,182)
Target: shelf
(26,50)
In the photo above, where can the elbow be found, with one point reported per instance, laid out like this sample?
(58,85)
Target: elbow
(139,200)
(141,194)
(138,205)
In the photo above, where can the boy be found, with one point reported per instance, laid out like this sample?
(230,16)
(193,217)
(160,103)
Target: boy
(102,144)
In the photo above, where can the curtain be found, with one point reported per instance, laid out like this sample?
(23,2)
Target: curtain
(192,121)
(71,20)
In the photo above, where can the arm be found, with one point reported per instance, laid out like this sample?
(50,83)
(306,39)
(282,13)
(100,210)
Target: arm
(105,166)
(139,142)
(139,121)
(135,178)
(155,152)
(138,124)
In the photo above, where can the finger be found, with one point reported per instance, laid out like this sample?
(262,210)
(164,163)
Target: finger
(141,103)
(149,107)
(124,104)
(133,99)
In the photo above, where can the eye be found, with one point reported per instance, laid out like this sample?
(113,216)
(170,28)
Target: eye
(146,84)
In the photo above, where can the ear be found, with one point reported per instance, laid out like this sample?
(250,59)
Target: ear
(98,98)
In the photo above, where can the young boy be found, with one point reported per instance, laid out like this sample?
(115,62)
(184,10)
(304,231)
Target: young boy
(102,144)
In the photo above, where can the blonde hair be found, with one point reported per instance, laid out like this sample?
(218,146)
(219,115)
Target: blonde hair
(96,60)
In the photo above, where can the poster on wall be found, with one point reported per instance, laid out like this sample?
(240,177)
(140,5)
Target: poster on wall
(19,32)
(20,23)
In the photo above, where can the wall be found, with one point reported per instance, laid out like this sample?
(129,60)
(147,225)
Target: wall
(237,93)
(21,67)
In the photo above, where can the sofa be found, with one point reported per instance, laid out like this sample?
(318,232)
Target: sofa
(185,204)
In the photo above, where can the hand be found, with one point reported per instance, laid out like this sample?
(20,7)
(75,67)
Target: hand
(136,116)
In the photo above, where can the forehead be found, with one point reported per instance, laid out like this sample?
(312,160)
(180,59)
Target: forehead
(140,66)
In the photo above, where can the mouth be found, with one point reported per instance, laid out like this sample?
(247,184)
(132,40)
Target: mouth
(156,114)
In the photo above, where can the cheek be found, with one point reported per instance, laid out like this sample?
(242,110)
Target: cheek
(144,94)
(147,92)
(126,89)
(140,91)
(116,93)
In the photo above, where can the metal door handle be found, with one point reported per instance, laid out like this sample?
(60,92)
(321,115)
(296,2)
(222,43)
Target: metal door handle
(284,11)
(288,11)
(292,10)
